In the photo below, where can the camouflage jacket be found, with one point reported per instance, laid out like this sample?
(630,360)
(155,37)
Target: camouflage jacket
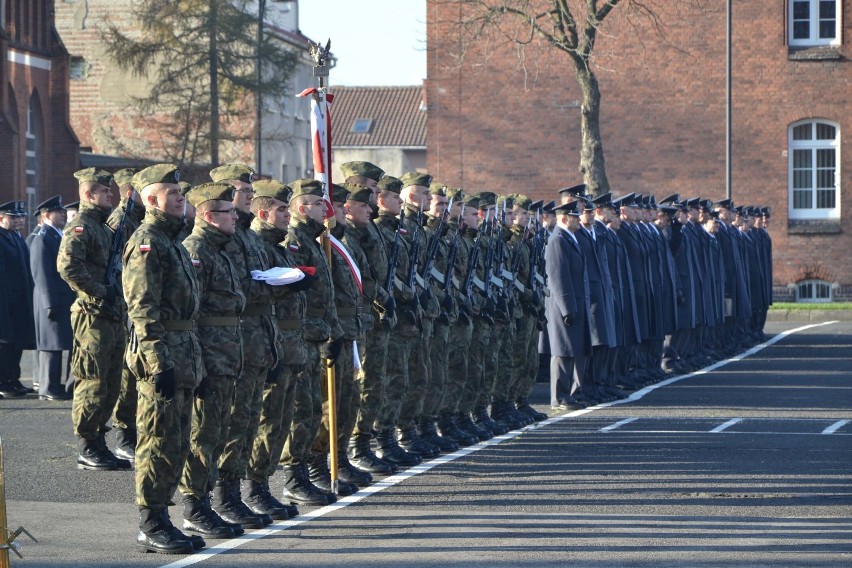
(321,321)
(348,299)
(290,307)
(522,246)
(82,261)
(476,299)
(359,240)
(162,293)
(222,296)
(440,265)
(133,220)
(408,308)
(433,308)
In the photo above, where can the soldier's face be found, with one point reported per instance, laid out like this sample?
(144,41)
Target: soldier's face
(358,213)
(243,195)
(100,196)
(339,213)
(374,187)
(470,217)
(438,205)
(419,195)
(279,215)
(522,216)
(456,209)
(587,217)
(223,216)
(170,200)
(6,222)
(510,218)
(614,222)
(313,207)
(57,218)
(390,202)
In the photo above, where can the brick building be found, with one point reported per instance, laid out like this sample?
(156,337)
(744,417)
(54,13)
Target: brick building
(507,122)
(38,149)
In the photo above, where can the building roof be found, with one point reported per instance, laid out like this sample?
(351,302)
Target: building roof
(379,116)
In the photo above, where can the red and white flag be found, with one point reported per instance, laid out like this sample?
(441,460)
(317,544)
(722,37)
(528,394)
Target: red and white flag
(321,142)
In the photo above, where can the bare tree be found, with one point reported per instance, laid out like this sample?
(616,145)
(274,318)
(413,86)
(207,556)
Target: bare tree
(569,26)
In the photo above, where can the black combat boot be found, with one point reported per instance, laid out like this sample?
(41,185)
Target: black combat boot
(449,430)
(229,506)
(125,444)
(500,415)
(349,473)
(414,444)
(467,425)
(199,518)
(390,451)
(362,457)
(157,534)
(120,463)
(260,501)
(512,409)
(428,432)
(523,406)
(91,456)
(481,419)
(299,489)
(320,476)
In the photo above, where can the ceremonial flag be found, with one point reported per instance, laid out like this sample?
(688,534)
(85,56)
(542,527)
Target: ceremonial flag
(321,142)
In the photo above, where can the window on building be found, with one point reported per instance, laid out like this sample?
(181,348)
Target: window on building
(814,176)
(362,125)
(814,22)
(33,150)
(813,291)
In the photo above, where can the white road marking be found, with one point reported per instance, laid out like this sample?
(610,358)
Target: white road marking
(725,426)
(835,427)
(280,526)
(618,424)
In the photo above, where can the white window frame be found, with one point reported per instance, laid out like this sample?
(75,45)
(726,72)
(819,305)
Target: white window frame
(813,37)
(813,145)
(814,299)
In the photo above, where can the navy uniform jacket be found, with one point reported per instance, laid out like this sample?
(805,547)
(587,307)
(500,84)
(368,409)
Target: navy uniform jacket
(600,289)
(637,257)
(626,318)
(51,292)
(16,302)
(569,294)
(735,278)
(682,245)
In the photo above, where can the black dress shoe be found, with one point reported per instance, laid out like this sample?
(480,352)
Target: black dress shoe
(55,397)
(8,390)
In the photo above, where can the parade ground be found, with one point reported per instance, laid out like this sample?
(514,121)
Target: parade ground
(745,463)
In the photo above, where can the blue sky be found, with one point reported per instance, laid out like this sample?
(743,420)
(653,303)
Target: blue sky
(377,42)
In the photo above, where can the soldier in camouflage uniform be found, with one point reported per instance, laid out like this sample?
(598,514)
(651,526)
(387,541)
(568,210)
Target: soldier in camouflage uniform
(382,319)
(97,320)
(124,419)
(323,338)
(438,217)
(260,351)
(162,295)
(406,331)
(271,209)
(211,248)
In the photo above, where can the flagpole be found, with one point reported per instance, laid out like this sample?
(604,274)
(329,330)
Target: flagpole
(320,55)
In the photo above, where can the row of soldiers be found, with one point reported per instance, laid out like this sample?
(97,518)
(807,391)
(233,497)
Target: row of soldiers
(638,289)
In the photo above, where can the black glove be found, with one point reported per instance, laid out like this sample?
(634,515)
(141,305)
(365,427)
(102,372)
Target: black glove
(568,319)
(165,384)
(201,389)
(330,350)
(52,314)
(302,284)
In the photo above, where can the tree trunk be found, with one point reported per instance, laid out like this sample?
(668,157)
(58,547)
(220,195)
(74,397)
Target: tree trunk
(592,165)
(214,87)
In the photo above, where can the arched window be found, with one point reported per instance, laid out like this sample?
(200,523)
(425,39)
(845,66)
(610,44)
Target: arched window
(814,22)
(814,174)
(813,291)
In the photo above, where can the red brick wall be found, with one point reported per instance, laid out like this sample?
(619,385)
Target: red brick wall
(495,124)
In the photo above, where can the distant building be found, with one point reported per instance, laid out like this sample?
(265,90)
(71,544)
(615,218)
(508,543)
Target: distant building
(38,148)
(383,125)
(512,123)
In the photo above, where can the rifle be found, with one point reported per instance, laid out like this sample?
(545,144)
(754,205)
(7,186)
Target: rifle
(432,250)
(415,252)
(451,257)
(393,258)
(113,268)
(472,263)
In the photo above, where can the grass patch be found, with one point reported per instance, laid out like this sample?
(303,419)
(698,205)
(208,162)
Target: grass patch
(802,306)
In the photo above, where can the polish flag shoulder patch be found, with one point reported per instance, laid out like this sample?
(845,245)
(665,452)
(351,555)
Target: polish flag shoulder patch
(144,248)
(403,232)
(79,229)
(293,247)
(196,263)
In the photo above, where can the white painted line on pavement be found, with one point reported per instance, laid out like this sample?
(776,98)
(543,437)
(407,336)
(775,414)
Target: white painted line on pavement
(618,424)
(725,426)
(835,427)
(280,526)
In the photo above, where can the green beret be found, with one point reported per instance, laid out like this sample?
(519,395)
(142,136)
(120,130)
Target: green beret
(365,169)
(507,199)
(437,188)
(212,191)
(306,186)
(339,193)
(455,193)
(272,188)
(158,173)
(487,199)
(184,187)
(390,183)
(124,177)
(240,172)
(523,202)
(415,178)
(471,200)
(359,193)
(95,175)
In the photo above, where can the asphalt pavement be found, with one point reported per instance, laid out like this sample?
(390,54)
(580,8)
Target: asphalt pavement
(746,463)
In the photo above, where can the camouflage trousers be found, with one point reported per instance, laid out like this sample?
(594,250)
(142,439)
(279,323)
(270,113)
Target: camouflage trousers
(503,363)
(307,409)
(96,361)
(348,396)
(457,366)
(525,361)
(163,444)
(479,345)
(419,376)
(373,380)
(397,385)
(211,417)
(245,415)
(276,415)
(438,360)
(125,407)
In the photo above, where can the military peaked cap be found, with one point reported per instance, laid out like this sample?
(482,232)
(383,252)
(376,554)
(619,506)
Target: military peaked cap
(94,175)
(158,173)
(212,191)
(523,202)
(673,198)
(13,209)
(306,186)
(272,188)
(548,207)
(537,205)
(437,188)
(124,177)
(365,169)
(239,172)
(471,200)
(358,192)
(507,199)
(724,203)
(52,204)
(390,183)
(579,190)
(767,212)
(339,193)
(455,193)
(75,205)
(415,178)
(567,209)
(693,203)
(604,200)
(487,199)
